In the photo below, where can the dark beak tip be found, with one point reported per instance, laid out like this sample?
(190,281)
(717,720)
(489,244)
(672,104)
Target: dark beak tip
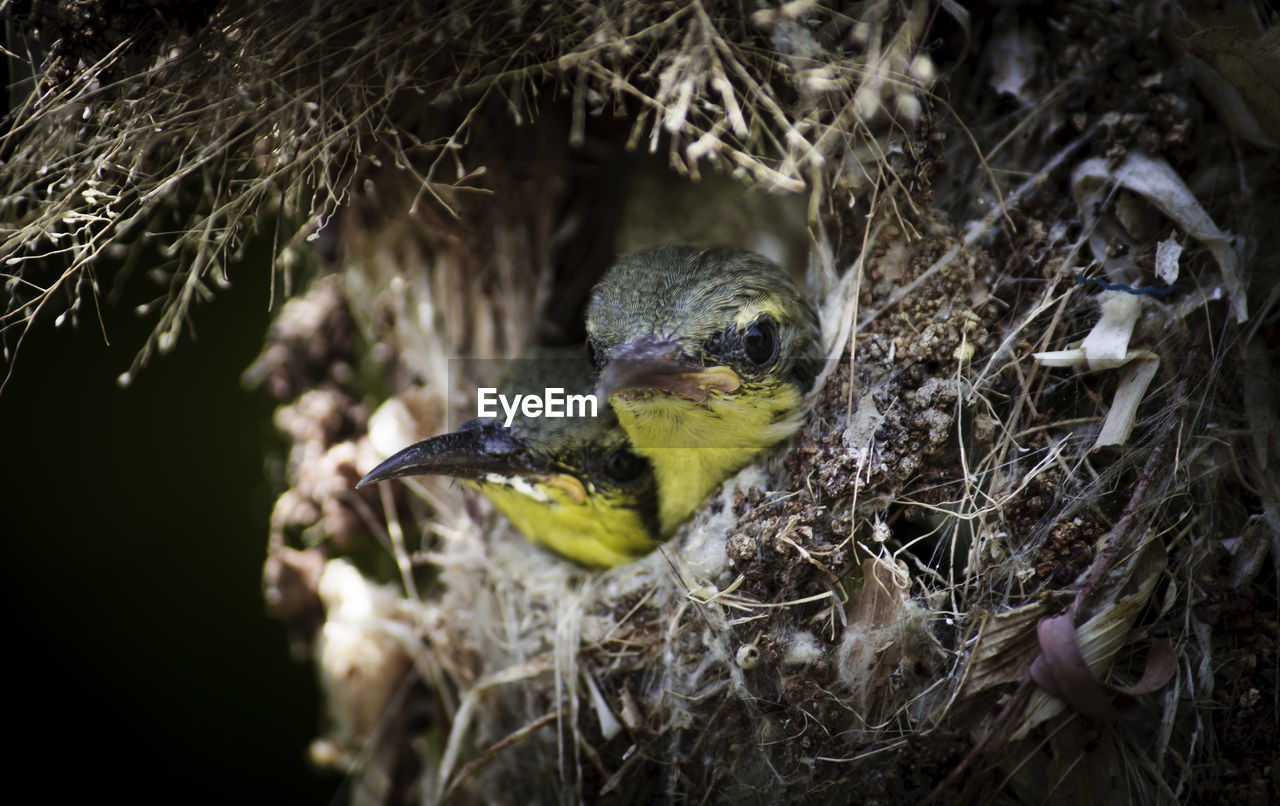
(467,453)
(389,468)
(373,477)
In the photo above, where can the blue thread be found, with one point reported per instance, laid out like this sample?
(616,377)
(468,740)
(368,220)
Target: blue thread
(1128,289)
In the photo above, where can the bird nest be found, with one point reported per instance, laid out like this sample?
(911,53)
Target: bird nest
(1019,550)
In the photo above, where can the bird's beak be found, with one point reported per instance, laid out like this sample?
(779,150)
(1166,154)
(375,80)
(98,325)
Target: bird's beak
(660,366)
(471,453)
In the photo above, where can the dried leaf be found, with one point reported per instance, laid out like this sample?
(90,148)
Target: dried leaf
(1248,551)
(886,633)
(883,593)
(1092,183)
(1120,600)
(1248,63)
(1005,645)
(1260,403)
(1061,670)
(1107,347)
(1134,380)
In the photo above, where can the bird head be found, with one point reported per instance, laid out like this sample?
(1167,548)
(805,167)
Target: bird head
(571,483)
(701,325)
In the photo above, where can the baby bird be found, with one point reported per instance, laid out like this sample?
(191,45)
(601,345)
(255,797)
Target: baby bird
(571,484)
(706,356)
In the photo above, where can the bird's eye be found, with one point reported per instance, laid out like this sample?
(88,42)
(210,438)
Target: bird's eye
(761,341)
(624,466)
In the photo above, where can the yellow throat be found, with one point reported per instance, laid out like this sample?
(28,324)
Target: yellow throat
(556,511)
(694,446)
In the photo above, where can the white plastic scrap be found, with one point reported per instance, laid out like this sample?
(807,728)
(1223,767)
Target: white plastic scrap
(1167,256)
(1107,347)
(1092,183)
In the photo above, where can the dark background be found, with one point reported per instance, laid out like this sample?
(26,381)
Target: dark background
(134,527)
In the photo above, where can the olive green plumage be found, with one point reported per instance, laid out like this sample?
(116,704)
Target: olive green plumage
(706,356)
